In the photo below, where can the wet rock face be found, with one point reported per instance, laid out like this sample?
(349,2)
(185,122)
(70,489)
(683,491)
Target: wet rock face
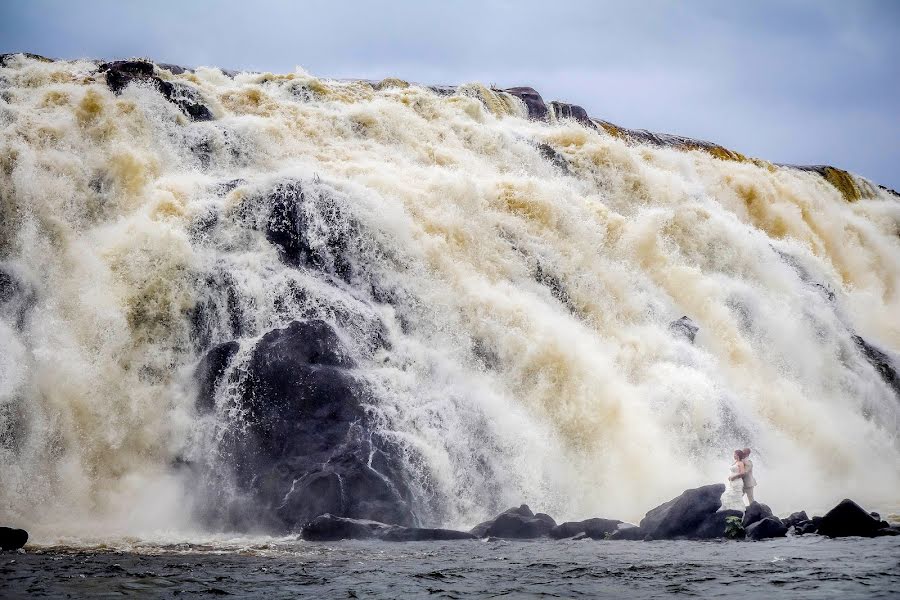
(537,110)
(306,446)
(209,372)
(715,526)
(882,363)
(682,516)
(849,519)
(121,73)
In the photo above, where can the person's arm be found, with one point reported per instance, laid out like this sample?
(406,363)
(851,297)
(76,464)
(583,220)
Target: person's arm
(740,472)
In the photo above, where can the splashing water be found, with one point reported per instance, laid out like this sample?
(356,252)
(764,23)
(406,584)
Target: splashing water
(510,313)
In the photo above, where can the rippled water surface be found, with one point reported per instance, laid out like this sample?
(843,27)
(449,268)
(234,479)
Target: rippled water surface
(810,567)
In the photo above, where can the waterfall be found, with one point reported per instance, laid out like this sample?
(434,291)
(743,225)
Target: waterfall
(504,285)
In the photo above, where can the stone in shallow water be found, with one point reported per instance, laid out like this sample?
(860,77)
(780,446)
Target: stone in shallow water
(768,527)
(755,512)
(331,528)
(592,528)
(518,523)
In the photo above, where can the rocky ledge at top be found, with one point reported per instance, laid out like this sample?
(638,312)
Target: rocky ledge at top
(122,72)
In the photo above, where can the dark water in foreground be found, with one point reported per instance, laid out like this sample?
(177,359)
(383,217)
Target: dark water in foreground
(809,567)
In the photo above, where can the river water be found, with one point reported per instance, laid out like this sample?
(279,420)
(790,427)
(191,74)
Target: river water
(797,567)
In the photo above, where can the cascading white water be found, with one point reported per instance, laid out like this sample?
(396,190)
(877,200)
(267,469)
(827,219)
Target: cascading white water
(526,305)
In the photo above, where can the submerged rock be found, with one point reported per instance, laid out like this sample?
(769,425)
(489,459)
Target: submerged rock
(12,539)
(768,527)
(329,528)
(121,73)
(755,512)
(306,447)
(685,328)
(682,517)
(592,528)
(849,519)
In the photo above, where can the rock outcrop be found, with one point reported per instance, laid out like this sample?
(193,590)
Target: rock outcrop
(757,511)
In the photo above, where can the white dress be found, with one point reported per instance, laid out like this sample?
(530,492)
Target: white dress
(733,498)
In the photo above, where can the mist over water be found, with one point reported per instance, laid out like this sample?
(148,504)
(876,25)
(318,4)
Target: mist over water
(510,314)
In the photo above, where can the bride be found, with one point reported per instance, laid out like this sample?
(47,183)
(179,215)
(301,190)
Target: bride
(733,498)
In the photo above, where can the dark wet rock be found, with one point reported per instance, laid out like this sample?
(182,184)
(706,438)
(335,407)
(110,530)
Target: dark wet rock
(681,516)
(17,295)
(888,531)
(421,534)
(849,519)
(883,363)
(684,327)
(769,527)
(715,525)
(329,528)
(209,373)
(564,110)
(12,539)
(121,73)
(806,527)
(443,90)
(593,528)
(537,110)
(306,446)
(628,533)
(516,523)
(553,157)
(795,519)
(755,512)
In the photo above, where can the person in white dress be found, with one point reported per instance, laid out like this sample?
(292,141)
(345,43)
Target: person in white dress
(733,498)
(749,480)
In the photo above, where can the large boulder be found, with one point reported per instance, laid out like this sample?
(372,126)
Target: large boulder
(518,523)
(769,527)
(755,512)
(537,110)
(592,528)
(682,516)
(716,525)
(304,445)
(849,519)
(12,539)
(121,73)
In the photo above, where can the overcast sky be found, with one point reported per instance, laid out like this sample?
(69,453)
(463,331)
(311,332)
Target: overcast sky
(795,81)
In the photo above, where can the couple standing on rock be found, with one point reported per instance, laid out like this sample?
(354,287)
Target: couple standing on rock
(740,482)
